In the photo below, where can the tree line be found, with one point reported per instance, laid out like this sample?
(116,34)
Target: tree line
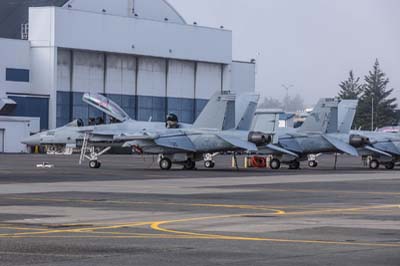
(376,107)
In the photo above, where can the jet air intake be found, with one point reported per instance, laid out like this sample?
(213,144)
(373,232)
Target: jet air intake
(358,141)
(259,138)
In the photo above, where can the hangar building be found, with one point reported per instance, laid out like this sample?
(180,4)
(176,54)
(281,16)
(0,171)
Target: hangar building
(140,53)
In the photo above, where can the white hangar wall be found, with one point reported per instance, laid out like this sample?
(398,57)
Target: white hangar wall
(14,55)
(147,87)
(174,69)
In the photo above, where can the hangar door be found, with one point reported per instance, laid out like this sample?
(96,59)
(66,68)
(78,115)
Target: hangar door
(1,140)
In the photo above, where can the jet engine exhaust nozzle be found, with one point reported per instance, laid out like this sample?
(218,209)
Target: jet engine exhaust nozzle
(260,138)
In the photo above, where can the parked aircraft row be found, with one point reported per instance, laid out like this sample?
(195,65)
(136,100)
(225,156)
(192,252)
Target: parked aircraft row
(227,124)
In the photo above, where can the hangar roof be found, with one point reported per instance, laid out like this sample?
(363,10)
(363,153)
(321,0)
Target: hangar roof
(13,13)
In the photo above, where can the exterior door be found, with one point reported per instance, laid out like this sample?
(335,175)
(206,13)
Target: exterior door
(1,140)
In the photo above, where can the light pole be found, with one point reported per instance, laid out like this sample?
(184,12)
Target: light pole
(287,88)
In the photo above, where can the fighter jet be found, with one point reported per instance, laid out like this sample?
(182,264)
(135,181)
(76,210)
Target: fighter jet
(376,148)
(322,132)
(215,130)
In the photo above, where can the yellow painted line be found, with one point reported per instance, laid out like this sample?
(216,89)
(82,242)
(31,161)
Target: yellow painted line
(332,191)
(158,227)
(230,206)
(21,228)
(76,230)
(108,237)
(344,210)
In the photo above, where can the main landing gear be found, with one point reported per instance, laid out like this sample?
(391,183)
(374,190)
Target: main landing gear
(374,164)
(390,165)
(275,164)
(189,165)
(165,163)
(294,165)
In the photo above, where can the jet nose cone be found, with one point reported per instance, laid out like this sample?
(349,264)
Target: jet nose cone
(32,140)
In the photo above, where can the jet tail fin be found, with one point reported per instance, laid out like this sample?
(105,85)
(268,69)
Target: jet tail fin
(266,120)
(246,106)
(324,117)
(219,113)
(346,113)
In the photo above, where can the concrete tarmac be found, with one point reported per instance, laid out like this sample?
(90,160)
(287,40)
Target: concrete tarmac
(131,213)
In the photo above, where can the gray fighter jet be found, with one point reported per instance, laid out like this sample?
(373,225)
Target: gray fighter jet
(376,148)
(215,130)
(322,132)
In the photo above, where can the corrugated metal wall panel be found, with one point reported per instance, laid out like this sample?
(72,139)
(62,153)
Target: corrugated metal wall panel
(208,80)
(63,70)
(181,76)
(152,77)
(88,72)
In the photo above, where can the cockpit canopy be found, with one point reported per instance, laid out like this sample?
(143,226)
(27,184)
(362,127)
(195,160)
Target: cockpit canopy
(106,105)
(76,123)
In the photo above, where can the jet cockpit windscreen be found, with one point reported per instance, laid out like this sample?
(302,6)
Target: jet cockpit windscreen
(106,105)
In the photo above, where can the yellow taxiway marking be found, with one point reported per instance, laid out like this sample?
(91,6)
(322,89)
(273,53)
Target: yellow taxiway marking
(20,228)
(158,227)
(230,206)
(344,210)
(331,191)
(76,230)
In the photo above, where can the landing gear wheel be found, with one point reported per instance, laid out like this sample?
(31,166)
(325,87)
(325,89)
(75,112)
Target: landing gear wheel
(294,165)
(312,164)
(165,164)
(209,164)
(189,165)
(374,164)
(275,164)
(94,164)
(390,165)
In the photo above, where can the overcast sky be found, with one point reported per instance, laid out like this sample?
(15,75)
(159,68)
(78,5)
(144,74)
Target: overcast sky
(310,44)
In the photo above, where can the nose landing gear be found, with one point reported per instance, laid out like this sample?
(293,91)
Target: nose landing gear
(313,164)
(94,164)
(209,164)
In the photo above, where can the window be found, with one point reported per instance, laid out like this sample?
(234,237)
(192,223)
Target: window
(18,75)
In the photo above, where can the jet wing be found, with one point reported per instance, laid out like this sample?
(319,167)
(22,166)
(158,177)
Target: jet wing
(281,150)
(388,147)
(245,145)
(291,144)
(377,151)
(181,142)
(341,146)
(135,137)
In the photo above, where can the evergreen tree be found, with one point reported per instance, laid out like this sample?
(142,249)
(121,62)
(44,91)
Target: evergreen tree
(271,103)
(376,97)
(350,88)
